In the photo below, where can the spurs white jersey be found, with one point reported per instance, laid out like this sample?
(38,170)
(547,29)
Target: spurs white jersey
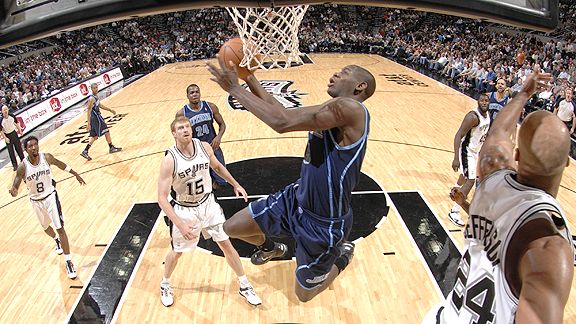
(191,179)
(38,178)
(500,206)
(475,138)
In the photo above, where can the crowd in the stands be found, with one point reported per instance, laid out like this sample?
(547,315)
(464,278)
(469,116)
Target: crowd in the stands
(467,53)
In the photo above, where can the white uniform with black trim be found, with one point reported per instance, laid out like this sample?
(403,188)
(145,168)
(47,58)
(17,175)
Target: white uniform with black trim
(500,206)
(471,145)
(42,193)
(194,202)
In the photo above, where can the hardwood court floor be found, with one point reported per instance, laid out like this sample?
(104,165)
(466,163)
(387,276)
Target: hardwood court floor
(410,148)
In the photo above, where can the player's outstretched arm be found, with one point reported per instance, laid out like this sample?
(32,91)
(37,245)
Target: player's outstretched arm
(337,112)
(108,109)
(259,91)
(224,173)
(497,151)
(546,270)
(17,180)
(63,166)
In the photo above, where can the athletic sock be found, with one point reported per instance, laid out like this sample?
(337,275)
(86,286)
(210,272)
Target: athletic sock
(67,257)
(243,280)
(456,208)
(341,263)
(110,145)
(87,147)
(267,246)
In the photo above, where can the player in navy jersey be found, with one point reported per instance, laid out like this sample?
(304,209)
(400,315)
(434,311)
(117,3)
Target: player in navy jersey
(96,124)
(498,99)
(202,115)
(315,210)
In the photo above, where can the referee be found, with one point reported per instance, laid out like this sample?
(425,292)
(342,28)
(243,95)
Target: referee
(8,128)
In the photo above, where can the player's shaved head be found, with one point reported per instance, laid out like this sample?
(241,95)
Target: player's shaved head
(363,75)
(543,144)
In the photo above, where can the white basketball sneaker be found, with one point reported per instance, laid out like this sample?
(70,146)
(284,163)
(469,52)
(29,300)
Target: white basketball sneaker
(454,216)
(166,295)
(250,295)
(70,271)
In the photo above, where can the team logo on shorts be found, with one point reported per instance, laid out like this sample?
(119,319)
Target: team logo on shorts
(317,279)
(55,104)
(279,90)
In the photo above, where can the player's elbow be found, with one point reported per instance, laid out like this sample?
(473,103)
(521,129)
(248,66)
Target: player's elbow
(280,125)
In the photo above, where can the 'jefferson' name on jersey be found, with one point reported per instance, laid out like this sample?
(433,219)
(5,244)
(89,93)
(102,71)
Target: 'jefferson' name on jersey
(192,171)
(483,229)
(37,175)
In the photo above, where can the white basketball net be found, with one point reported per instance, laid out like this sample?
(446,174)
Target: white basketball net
(269,35)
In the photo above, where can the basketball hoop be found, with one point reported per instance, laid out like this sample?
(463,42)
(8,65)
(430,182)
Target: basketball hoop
(269,35)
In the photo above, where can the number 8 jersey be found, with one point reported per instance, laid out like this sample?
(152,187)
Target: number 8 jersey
(191,179)
(500,206)
(38,178)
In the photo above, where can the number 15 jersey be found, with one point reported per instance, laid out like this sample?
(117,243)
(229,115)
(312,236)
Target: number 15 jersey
(501,205)
(191,179)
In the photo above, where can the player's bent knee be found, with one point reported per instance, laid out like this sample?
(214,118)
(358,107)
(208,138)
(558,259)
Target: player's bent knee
(304,295)
(228,227)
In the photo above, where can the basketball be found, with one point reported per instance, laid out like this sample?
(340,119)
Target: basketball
(231,51)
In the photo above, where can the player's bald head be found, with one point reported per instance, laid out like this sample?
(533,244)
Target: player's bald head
(363,75)
(543,144)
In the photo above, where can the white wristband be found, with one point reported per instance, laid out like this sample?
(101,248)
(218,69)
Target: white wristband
(68,168)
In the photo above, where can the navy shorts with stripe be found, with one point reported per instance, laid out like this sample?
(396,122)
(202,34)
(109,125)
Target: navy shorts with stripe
(316,237)
(98,127)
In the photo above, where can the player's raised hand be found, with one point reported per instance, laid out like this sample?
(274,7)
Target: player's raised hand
(226,77)
(536,81)
(239,191)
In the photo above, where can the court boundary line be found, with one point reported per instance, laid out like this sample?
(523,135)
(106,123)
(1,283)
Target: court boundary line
(71,312)
(137,265)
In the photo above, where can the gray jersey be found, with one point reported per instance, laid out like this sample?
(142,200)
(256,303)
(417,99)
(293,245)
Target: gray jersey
(191,179)
(501,205)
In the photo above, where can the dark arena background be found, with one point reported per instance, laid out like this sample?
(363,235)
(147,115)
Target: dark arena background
(431,60)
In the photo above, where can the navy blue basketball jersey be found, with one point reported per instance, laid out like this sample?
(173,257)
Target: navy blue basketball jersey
(95,113)
(202,121)
(496,105)
(330,172)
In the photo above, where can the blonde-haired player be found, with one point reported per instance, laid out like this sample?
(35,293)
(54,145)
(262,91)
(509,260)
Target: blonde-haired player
(185,169)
